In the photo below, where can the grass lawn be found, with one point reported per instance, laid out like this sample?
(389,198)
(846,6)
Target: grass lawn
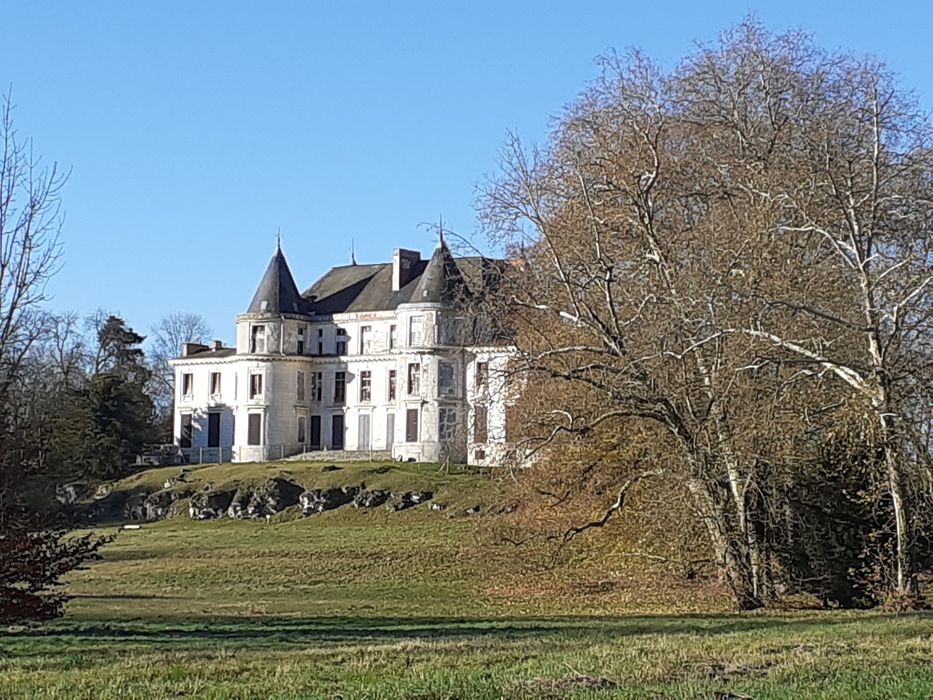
(423,604)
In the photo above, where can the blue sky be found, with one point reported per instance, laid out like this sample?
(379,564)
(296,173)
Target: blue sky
(196,130)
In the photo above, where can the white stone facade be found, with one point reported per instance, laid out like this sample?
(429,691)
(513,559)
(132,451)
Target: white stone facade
(378,381)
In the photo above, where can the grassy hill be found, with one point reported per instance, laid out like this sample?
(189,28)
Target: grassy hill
(358,603)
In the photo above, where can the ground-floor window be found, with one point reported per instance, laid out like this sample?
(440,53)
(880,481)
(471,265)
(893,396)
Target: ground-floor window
(446,424)
(302,429)
(336,431)
(411,425)
(213,429)
(184,438)
(254,429)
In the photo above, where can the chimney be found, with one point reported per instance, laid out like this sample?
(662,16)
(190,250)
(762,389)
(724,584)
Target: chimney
(191,348)
(218,345)
(403,265)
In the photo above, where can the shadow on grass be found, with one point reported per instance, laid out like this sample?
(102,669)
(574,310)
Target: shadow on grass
(265,632)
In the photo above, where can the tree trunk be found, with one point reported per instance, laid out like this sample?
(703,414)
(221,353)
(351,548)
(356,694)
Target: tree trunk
(906,584)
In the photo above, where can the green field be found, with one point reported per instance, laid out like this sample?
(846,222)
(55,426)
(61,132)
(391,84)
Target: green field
(424,604)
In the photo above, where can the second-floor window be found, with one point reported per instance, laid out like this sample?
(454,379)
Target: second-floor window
(300,389)
(301,341)
(341,341)
(414,378)
(257,339)
(366,386)
(414,330)
(187,384)
(445,379)
(320,341)
(393,337)
(366,340)
(255,386)
(317,386)
(340,387)
(393,381)
(215,383)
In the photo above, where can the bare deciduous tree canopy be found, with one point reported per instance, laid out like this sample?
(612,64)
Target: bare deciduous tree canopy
(737,251)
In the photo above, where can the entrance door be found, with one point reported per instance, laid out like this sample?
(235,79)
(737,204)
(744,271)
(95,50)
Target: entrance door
(315,432)
(390,430)
(336,431)
(213,430)
(364,440)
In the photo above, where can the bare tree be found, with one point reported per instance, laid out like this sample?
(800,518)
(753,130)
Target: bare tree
(33,555)
(30,222)
(168,335)
(678,236)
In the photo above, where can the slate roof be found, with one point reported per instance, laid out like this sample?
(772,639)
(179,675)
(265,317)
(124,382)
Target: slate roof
(356,288)
(277,292)
(210,353)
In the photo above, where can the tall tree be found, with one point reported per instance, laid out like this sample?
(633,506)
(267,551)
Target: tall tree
(33,554)
(663,273)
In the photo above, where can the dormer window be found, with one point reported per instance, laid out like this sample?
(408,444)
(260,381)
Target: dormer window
(257,340)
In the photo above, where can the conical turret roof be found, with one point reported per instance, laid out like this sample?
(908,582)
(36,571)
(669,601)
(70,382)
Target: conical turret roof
(277,292)
(441,278)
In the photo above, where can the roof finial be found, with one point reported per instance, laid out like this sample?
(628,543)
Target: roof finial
(352,252)
(440,232)
(278,240)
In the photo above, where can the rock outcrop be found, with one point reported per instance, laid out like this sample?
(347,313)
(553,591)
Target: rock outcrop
(371,499)
(268,499)
(208,505)
(410,499)
(152,506)
(319,500)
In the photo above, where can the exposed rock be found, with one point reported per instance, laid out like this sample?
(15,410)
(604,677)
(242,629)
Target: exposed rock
(371,499)
(270,498)
(153,506)
(438,506)
(319,500)
(208,505)
(68,494)
(409,499)
(472,510)
(103,490)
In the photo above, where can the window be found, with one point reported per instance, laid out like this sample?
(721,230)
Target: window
(301,341)
(341,341)
(257,341)
(366,340)
(414,378)
(414,330)
(317,386)
(446,424)
(320,341)
(302,429)
(366,386)
(482,375)
(187,384)
(393,381)
(336,431)
(411,425)
(300,389)
(480,424)
(184,439)
(340,387)
(255,386)
(254,432)
(445,379)
(393,336)
(215,383)
(213,429)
